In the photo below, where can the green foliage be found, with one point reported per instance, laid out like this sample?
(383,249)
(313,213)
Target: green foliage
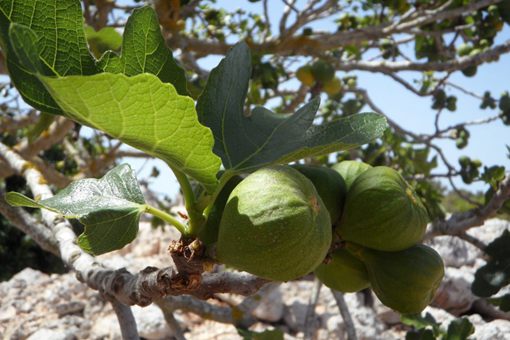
(264,138)
(106,39)
(426,327)
(109,208)
(503,302)
(61,45)
(146,114)
(454,203)
(144,51)
(490,278)
(138,99)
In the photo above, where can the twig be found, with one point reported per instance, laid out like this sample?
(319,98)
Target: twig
(473,240)
(126,320)
(173,324)
(208,311)
(310,312)
(27,224)
(458,223)
(346,315)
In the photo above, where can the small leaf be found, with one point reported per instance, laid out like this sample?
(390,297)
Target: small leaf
(263,138)
(109,208)
(144,51)
(144,113)
(58,27)
(107,38)
(493,175)
(418,321)
(19,200)
(459,329)
(503,302)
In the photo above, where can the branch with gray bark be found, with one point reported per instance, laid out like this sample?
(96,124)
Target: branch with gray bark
(459,223)
(141,288)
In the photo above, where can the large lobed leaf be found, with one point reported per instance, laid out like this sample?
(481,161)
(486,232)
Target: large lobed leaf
(144,51)
(144,113)
(141,111)
(246,143)
(58,26)
(109,208)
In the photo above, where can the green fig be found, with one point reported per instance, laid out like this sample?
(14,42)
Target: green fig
(329,185)
(323,71)
(405,281)
(274,225)
(344,272)
(382,212)
(350,170)
(305,76)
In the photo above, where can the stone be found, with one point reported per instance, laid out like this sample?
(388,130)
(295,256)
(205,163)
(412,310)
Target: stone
(454,294)
(45,334)
(30,276)
(7,312)
(271,306)
(490,230)
(494,330)
(454,251)
(151,322)
(106,327)
(295,314)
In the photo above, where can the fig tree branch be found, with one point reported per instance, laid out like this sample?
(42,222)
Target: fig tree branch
(141,288)
(346,315)
(56,132)
(29,225)
(458,223)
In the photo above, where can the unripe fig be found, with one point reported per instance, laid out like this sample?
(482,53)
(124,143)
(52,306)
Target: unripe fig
(382,212)
(406,280)
(329,185)
(274,225)
(323,71)
(344,272)
(304,75)
(350,170)
(469,71)
(333,87)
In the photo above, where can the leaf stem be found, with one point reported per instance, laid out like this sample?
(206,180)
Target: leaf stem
(196,219)
(183,229)
(227,175)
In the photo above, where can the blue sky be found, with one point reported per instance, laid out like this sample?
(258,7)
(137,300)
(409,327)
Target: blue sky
(487,142)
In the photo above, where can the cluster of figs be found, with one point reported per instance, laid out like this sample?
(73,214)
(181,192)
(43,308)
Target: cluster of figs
(355,226)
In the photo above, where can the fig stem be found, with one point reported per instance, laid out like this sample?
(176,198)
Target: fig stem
(183,229)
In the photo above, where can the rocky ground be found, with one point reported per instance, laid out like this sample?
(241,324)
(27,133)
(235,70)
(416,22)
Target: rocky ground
(34,305)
